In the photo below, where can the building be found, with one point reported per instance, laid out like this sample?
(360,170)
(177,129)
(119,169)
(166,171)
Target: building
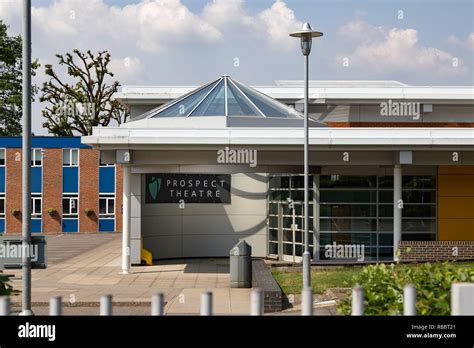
(385,159)
(71,190)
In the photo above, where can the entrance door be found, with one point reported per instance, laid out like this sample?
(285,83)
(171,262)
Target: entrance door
(290,231)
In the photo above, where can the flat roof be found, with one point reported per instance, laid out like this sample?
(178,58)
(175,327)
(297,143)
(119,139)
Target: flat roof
(325,91)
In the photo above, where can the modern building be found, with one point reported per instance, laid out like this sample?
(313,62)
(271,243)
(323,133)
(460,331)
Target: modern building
(386,159)
(71,190)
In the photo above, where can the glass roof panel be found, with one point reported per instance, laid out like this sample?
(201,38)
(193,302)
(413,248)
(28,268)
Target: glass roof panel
(237,104)
(213,104)
(267,106)
(183,107)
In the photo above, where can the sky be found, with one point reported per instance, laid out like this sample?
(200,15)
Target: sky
(191,42)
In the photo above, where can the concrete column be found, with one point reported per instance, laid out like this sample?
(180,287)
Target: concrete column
(126,219)
(397,209)
(316,215)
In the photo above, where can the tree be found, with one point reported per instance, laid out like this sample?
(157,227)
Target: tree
(86,102)
(11,82)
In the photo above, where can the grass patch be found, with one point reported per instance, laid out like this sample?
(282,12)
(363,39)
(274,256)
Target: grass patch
(291,282)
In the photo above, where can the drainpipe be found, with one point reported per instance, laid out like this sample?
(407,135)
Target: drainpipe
(126,220)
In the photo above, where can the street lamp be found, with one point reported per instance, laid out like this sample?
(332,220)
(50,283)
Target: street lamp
(306,35)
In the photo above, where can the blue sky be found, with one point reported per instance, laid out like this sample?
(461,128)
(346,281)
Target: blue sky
(189,42)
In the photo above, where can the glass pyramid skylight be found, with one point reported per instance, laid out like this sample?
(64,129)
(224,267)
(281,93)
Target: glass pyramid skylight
(225,97)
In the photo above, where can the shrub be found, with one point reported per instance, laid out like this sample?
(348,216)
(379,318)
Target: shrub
(5,287)
(16,212)
(89,211)
(52,211)
(383,287)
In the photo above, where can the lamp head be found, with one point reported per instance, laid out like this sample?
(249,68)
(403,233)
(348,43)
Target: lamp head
(306,35)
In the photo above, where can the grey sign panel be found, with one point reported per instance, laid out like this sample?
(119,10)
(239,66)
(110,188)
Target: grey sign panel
(11,252)
(188,188)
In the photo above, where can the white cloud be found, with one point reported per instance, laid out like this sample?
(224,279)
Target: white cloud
(127,69)
(467,44)
(382,49)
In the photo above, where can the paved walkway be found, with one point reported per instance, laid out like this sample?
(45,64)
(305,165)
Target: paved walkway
(84,276)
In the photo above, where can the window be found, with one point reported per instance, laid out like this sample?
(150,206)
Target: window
(70,205)
(36,206)
(2,157)
(103,164)
(106,206)
(2,205)
(70,157)
(36,157)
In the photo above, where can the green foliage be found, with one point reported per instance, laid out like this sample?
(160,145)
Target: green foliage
(383,287)
(85,100)
(11,82)
(5,287)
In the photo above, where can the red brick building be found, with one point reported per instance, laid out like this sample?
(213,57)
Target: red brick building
(71,190)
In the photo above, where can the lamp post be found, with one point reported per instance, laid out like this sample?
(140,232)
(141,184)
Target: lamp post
(26,160)
(306,35)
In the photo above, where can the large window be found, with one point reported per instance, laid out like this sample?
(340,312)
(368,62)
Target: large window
(106,206)
(70,157)
(357,210)
(70,205)
(36,205)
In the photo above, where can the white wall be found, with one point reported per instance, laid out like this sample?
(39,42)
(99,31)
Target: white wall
(207,230)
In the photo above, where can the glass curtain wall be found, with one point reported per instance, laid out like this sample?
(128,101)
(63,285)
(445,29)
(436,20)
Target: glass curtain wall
(355,210)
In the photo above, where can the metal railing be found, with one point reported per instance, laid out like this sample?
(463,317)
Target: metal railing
(462,302)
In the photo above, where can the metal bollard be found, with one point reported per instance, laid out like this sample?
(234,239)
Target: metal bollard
(462,299)
(206,303)
(106,305)
(158,304)
(256,302)
(55,305)
(307,301)
(4,305)
(409,300)
(357,300)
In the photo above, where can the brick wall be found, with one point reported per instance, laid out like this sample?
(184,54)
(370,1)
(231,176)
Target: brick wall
(436,250)
(88,189)
(52,189)
(13,190)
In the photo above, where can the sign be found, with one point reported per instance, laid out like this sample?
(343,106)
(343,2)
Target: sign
(188,188)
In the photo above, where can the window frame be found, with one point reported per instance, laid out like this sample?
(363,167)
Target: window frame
(33,157)
(4,151)
(70,197)
(107,198)
(36,197)
(3,198)
(70,150)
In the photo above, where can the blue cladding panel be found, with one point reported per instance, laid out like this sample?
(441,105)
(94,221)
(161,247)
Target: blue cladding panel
(70,179)
(47,142)
(107,179)
(36,178)
(70,225)
(36,225)
(2,225)
(2,179)
(106,225)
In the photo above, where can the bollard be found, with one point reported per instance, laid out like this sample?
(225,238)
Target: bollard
(357,300)
(4,305)
(106,305)
(462,299)
(206,303)
(158,304)
(256,302)
(55,305)
(409,300)
(307,301)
